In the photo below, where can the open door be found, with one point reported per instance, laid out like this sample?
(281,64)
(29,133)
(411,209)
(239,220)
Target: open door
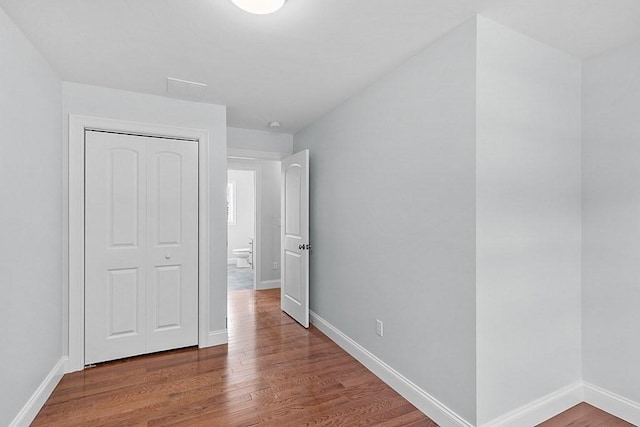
(295,237)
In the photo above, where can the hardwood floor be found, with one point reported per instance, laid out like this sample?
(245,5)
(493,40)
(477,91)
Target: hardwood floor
(272,372)
(585,415)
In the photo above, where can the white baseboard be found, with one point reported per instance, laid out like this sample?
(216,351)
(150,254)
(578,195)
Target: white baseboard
(268,284)
(30,410)
(612,403)
(541,409)
(215,338)
(426,403)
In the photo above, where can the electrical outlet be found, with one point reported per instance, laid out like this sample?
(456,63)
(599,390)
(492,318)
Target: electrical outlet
(275,265)
(379,327)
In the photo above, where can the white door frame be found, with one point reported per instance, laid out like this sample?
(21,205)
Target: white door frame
(257,215)
(77,126)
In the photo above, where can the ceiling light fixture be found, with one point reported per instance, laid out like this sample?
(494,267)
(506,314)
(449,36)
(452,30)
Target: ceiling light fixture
(259,7)
(274,125)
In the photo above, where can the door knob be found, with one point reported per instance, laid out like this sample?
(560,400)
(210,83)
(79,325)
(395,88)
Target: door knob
(167,256)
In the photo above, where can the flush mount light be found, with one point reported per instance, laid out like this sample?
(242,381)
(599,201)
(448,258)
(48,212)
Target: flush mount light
(259,7)
(274,125)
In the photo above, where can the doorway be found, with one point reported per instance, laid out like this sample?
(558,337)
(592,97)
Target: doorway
(241,230)
(265,250)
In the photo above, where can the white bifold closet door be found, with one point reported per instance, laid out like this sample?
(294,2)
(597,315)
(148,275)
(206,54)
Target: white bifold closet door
(141,245)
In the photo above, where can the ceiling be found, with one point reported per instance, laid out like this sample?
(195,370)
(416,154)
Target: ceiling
(292,66)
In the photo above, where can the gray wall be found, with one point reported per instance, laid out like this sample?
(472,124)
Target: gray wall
(392,176)
(611,221)
(270,221)
(30,219)
(123,105)
(528,220)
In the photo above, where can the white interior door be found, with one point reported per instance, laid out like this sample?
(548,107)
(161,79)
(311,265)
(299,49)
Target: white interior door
(141,245)
(295,237)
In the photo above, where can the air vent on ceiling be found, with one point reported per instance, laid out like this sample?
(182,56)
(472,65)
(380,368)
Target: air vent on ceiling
(185,89)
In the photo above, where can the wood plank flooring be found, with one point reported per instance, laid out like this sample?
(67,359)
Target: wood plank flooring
(585,415)
(272,372)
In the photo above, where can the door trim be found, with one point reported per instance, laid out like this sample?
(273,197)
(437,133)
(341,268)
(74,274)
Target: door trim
(77,126)
(235,154)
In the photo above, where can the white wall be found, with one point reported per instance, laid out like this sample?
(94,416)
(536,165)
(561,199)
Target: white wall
(256,140)
(528,220)
(244,228)
(611,222)
(392,181)
(30,219)
(123,105)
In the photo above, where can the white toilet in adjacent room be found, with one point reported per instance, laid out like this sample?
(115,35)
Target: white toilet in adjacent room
(244,255)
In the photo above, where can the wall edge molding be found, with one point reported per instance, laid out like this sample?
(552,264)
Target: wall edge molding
(37,400)
(612,403)
(426,403)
